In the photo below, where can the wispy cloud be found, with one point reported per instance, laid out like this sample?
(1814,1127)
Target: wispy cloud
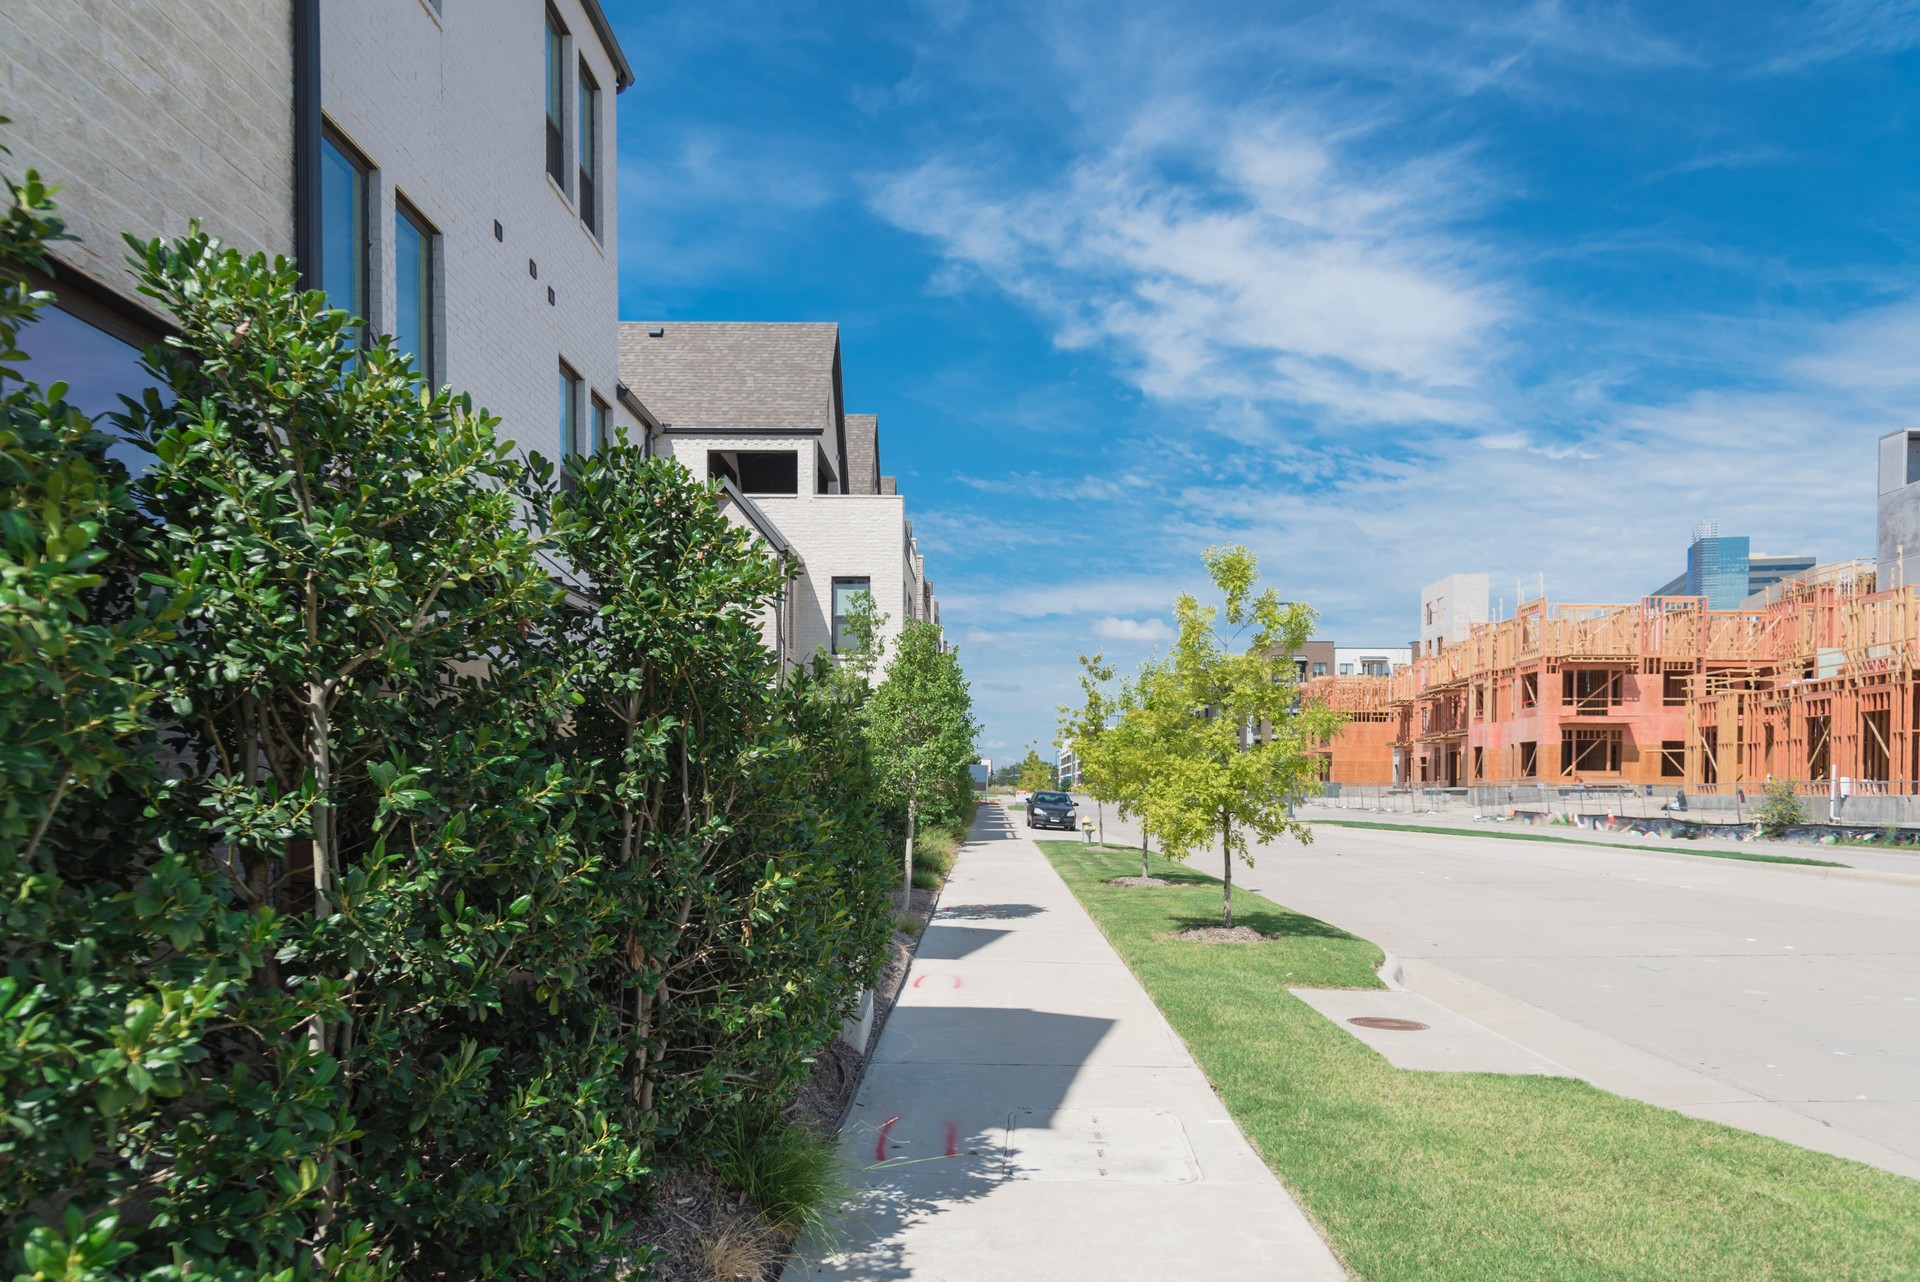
(1837,29)
(1236,257)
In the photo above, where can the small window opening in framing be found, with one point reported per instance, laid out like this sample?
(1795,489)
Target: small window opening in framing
(1673,758)
(1675,688)
(1590,692)
(1586,751)
(1530,689)
(1529,758)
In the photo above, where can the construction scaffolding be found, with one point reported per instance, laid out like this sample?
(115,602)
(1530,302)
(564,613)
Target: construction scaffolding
(1815,682)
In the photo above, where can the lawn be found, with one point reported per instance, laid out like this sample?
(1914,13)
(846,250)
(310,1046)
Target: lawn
(1444,1177)
(1579,841)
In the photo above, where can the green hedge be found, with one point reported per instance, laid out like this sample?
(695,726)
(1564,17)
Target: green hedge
(403,846)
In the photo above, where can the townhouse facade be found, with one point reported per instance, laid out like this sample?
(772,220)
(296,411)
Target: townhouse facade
(449,173)
(446,171)
(759,407)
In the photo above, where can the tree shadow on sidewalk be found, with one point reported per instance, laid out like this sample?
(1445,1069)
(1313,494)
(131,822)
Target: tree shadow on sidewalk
(987,912)
(929,1134)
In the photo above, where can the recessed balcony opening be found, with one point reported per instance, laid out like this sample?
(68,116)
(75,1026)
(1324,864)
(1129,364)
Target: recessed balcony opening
(757,471)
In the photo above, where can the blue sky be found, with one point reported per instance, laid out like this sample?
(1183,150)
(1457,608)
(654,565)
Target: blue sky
(1384,291)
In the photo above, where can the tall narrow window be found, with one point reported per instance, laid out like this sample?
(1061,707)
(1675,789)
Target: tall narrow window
(569,410)
(848,594)
(413,294)
(343,227)
(596,427)
(589,151)
(556,99)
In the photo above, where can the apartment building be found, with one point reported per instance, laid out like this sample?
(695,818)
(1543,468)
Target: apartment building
(445,170)
(759,407)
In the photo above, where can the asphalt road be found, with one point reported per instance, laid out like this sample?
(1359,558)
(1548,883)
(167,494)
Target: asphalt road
(1747,994)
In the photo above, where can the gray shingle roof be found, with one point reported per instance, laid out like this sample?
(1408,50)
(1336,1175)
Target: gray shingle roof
(734,374)
(863,454)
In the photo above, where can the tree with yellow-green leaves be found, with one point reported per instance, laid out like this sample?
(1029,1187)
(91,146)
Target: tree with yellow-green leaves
(1218,732)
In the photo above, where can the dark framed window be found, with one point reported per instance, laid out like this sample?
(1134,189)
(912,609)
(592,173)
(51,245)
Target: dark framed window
(343,226)
(556,99)
(569,409)
(589,151)
(847,596)
(415,330)
(596,438)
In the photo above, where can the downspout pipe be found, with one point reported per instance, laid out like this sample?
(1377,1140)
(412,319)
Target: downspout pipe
(306,141)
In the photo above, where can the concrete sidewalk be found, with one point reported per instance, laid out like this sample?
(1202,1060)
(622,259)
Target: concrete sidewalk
(1029,1114)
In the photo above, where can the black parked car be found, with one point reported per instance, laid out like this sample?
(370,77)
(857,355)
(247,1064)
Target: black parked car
(1050,810)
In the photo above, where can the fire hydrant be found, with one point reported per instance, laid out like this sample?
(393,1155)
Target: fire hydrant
(1086,831)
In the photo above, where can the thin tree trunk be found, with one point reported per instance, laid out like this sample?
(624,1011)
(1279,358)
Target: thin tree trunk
(322,829)
(906,886)
(1226,862)
(1143,852)
(1100,813)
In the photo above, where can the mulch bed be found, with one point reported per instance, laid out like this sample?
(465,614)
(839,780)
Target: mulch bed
(1138,881)
(1223,935)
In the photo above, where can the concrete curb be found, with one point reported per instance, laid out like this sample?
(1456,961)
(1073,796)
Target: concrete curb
(1874,875)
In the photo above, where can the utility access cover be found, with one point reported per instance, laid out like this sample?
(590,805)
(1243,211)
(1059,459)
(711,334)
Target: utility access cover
(1099,1145)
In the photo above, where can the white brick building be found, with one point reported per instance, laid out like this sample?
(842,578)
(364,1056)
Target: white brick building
(759,406)
(447,171)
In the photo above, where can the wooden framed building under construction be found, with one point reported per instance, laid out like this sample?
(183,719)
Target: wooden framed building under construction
(1817,683)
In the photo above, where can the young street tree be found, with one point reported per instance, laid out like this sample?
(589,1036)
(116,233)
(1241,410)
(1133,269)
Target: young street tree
(920,726)
(1223,710)
(1129,756)
(1085,729)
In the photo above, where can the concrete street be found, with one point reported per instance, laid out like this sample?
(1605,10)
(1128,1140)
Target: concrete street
(1029,1114)
(1753,995)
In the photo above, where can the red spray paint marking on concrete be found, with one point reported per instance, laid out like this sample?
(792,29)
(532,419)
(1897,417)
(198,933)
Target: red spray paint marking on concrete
(886,1132)
(954,980)
(953,1139)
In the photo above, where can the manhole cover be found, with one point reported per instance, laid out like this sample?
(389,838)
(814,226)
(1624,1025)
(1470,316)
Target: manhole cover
(1391,1025)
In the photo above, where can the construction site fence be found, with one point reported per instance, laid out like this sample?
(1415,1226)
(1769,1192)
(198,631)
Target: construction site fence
(1854,803)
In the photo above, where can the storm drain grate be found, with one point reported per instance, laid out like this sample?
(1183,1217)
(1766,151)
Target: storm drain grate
(1391,1025)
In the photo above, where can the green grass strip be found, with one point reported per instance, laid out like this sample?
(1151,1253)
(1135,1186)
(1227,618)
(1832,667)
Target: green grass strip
(1476,1177)
(1580,841)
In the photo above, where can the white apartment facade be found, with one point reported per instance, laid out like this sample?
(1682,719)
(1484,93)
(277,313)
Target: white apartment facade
(759,408)
(1369,661)
(445,170)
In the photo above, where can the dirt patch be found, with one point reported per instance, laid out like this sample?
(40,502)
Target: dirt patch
(1138,881)
(705,1232)
(1223,935)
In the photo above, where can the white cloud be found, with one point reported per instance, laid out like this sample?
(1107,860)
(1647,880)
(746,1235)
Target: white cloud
(1234,255)
(978,636)
(1144,630)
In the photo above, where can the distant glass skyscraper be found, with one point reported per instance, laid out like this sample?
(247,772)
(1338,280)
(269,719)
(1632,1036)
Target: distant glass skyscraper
(1717,567)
